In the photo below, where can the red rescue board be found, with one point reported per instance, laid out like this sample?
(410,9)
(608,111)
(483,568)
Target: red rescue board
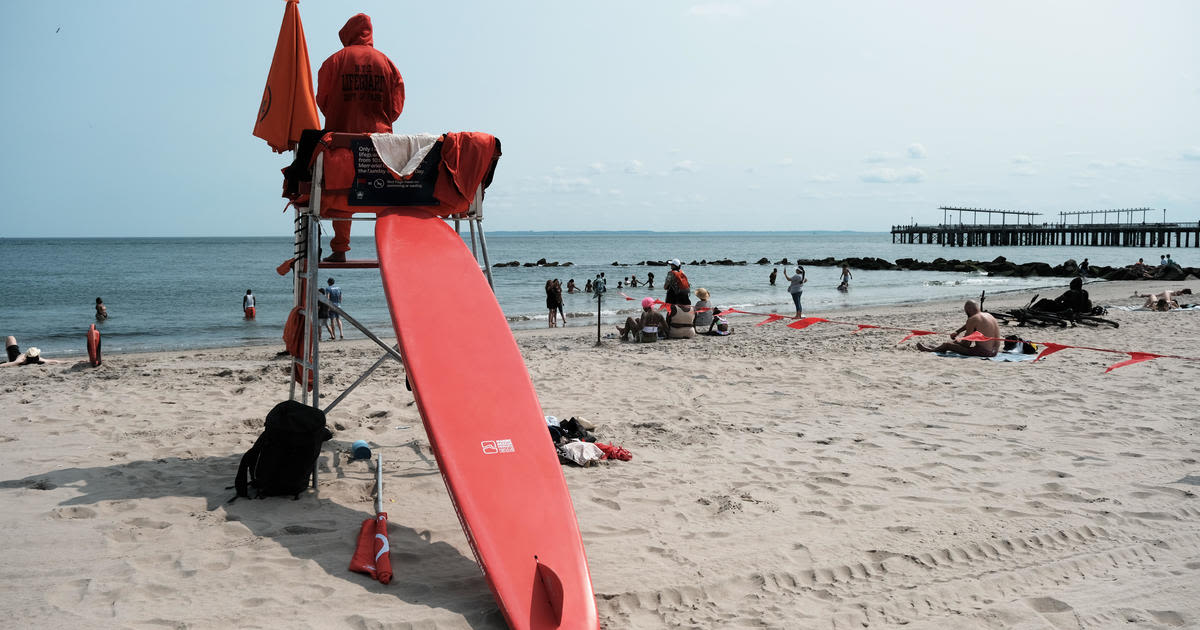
(485,424)
(93,345)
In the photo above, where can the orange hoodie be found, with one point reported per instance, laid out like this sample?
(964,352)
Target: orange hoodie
(358,88)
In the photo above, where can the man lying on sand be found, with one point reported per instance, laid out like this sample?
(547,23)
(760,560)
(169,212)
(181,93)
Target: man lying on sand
(979,321)
(1164,302)
(32,356)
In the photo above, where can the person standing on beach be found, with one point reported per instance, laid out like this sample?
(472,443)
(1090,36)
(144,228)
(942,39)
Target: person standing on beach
(558,298)
(774,274)
(551,305)
(335,298)
(248,305)
(101,310)
(796,288)
(676,284)
(323,322)
(360,91)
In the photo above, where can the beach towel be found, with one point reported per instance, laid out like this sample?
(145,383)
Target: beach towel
(403,154)
(1002,357)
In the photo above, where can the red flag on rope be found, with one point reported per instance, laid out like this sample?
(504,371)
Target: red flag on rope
(1134,357)
(801,324)
(916,333)
(1048,349)
(770,318)
(976,336)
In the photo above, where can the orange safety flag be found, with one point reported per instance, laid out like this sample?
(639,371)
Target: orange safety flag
(373,553)
(288,105)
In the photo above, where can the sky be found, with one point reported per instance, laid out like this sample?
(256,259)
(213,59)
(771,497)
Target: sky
(132,119)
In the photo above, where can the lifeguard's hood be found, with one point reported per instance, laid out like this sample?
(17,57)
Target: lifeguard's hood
(357,31)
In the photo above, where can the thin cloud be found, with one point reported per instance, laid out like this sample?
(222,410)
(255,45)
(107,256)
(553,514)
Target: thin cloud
(1022,159)
(635,167)
(917,151)
(1192,154)
(1131,162)
(823,178)
(686,166)
(1024,171)
(599,167)
(892,176)
(878,156)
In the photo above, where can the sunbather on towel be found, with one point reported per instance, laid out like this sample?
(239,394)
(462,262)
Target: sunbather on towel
(977,321)
(1161,302)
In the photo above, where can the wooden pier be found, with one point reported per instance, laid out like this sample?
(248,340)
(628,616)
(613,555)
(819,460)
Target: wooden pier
(1127,233)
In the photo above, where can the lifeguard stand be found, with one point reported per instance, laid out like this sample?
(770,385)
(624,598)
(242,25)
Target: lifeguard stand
(374,186)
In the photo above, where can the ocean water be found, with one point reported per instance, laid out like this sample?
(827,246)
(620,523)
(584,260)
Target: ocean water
(181,293)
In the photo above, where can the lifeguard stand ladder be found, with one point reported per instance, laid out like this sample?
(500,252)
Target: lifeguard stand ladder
(307,266)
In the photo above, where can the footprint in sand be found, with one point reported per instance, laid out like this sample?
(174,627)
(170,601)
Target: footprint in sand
(72,513)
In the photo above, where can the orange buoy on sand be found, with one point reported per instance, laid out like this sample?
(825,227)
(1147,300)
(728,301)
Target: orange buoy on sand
(93,345)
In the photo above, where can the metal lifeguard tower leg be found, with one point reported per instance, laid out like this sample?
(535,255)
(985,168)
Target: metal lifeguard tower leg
(307,267)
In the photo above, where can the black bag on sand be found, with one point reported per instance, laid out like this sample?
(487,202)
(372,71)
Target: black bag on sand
(282,459)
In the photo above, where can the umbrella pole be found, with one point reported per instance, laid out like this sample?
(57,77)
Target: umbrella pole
(378,484)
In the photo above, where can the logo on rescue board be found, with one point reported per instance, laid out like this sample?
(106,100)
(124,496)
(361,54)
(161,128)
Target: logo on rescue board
(495,447)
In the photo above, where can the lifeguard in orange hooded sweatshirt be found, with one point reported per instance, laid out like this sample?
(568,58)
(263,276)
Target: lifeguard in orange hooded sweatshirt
(359,90)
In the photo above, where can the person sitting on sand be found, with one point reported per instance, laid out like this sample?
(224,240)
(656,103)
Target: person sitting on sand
(705,312)
(32,356)
(1074,300)
(977,321)
(646,327)
(101,310)
(681,322)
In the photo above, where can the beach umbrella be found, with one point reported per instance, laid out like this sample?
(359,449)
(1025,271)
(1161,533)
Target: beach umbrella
(288,104)
(373,553)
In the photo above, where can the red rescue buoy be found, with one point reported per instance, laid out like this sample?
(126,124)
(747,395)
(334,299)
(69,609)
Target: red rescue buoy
(93,345)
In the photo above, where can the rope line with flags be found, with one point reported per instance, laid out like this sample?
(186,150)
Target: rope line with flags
(1048,347)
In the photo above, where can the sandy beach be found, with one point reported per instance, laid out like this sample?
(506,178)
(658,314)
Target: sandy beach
(781,479)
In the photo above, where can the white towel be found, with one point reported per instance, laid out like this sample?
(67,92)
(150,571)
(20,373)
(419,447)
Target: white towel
(402,154)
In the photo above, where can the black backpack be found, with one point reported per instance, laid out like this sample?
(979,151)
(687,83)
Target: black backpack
(282,459)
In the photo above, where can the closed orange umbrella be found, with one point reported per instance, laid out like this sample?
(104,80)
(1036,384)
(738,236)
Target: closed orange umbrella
(288,105)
